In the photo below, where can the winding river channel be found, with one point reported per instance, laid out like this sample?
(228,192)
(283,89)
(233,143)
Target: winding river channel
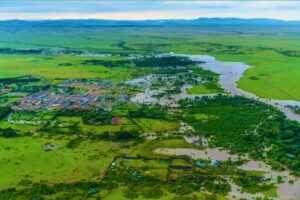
(231,72)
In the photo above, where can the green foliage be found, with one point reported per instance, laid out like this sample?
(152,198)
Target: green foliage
(4,111)
(205,88)
(248,126)
(252,183)
(8,133)
(74,143)
(163,61)
(156,112)
(107,63)
(122,135)
(91,117)
(69,191)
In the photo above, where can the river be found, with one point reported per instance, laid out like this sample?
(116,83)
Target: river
(231,72)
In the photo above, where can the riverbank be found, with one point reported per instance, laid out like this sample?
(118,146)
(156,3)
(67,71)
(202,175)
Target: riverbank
(231,72)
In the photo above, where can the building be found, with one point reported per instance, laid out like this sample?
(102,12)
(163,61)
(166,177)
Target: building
(116,121)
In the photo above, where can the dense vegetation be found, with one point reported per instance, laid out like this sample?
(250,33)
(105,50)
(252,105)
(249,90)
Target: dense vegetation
(107,63)
(247,126)
(162,61)
(4,111)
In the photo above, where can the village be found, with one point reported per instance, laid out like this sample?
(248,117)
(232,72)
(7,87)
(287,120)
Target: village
(83,94)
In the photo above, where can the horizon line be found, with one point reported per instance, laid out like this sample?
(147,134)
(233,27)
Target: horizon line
(162,19)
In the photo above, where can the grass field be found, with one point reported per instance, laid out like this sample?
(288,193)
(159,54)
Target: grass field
(50,67)
(146,149)
(275,57)
(156,125)
(25,159)
(205,88)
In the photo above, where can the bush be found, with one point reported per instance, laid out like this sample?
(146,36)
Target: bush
(8,133)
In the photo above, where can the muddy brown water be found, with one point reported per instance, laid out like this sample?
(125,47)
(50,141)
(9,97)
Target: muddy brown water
(286,191)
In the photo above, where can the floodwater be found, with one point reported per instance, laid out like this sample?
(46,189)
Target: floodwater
(286,190)
(231,72)
(148,97)
(209,153)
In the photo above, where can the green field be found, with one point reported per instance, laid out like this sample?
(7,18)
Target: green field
(274,57)
(25,159)
(205,88)
(49,67)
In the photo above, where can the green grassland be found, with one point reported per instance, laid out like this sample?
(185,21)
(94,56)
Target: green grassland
(49,67)
(274,57)
(22,128)
(205,88)
(25,159)
(156,125)
(147,148)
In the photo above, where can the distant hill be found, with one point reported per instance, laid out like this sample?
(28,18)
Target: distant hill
(168,22)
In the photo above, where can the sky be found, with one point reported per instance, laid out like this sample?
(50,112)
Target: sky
(149,9)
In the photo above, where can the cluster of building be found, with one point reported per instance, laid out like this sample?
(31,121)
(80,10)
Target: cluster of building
(57,100)
(91,94)
(52,100)
(63,51)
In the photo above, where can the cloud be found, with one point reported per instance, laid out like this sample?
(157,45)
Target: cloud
(54,9)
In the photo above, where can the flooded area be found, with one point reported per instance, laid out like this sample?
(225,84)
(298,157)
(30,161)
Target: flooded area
(236,191)
(255,165)
(209,154)
(148,97)
(286,190)
(231,72)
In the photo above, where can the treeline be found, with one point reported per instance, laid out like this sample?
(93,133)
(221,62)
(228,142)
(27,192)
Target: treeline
(4,111)
(154,112)
(39,51)
(24,84)
(19,80)
(91,117)
(8,133)
(163,61)
(63,191)
(20,51)
(121,136)
(107,63)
